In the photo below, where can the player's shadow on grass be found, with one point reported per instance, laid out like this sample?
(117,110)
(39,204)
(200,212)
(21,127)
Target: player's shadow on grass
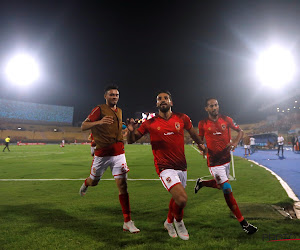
(149,221)
(104,224)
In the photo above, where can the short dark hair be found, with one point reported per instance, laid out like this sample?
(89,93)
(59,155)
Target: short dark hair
(111,87)
(164,91)
(208,99)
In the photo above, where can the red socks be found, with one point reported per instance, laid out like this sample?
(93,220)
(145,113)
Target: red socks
(124,201)
(231,202)
(174,212)
(170,217)
(177,212)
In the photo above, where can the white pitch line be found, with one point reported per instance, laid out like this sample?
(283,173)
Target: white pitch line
(198,151)
(195,149)
(80,179)
(84,179)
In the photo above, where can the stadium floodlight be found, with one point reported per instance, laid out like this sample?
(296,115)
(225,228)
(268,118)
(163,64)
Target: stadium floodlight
(22,70)
(275,67)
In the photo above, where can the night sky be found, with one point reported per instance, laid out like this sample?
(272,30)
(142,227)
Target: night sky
(194,49)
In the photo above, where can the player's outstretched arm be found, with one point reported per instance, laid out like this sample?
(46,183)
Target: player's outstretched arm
(133,134)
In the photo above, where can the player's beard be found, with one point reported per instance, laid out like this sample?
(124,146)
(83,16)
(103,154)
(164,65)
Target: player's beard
(164,108)
(112,103)
(214,114)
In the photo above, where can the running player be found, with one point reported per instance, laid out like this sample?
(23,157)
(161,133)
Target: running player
(167,139)
(105,121)
(216,130)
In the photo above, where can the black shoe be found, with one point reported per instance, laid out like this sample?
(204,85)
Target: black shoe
(248,228)
(198,185)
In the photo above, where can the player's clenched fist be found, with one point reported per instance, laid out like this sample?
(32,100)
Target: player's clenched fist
(131,124)
(106,120)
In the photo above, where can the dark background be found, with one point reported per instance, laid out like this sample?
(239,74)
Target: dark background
(194,49)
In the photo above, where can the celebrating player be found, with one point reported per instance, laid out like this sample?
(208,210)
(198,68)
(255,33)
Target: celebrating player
(105,121)
(167,139)
(216,130)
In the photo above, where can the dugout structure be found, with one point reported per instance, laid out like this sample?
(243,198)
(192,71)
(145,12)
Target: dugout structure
(266,141)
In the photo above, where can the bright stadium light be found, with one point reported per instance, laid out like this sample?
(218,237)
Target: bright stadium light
(22,70)
(275,67)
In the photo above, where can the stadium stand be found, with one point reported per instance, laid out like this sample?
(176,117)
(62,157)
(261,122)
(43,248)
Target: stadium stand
(33,122)
(42,133)
(57,124)
(17,111)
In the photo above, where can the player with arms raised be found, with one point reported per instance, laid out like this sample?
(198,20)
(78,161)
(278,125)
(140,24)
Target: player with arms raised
(217,131)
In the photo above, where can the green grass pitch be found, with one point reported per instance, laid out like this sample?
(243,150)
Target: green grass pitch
(51,214)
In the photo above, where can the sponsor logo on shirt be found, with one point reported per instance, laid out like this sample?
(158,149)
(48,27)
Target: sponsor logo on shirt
(217,133)
(169,133)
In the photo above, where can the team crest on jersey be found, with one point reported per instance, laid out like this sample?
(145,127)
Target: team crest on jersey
(177,125)
(209,128)
(168,179)
(223,126)
(124,168)
(158,128)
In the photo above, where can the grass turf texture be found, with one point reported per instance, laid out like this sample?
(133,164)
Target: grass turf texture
(52,215)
